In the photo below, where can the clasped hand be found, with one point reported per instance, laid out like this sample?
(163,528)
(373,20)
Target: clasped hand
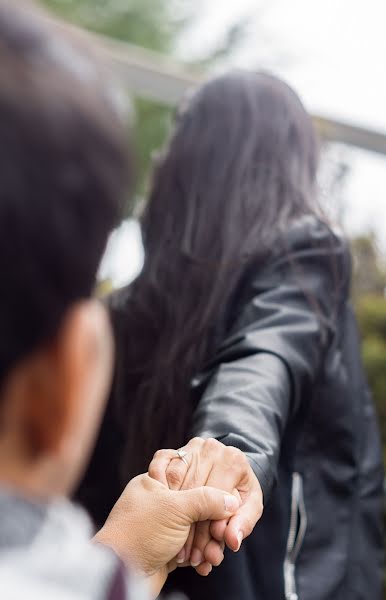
(208,462)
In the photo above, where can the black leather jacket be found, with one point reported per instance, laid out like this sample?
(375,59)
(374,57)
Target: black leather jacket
(287,387)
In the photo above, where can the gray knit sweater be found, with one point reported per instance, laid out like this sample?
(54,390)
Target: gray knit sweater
(46,554)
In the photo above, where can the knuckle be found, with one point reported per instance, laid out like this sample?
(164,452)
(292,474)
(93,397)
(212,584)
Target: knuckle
(196,441)
(203,501)
(156,472)
(259,509)
(238,457)
(159,454)
(211,445)
(201,495)
(174,476)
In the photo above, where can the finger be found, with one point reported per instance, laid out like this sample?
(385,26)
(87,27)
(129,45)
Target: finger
(217,529)
(201,455)
(176,472)
(184,564)
(205,503)
(204,569)
(201,539)
(214,553)
(173,564)
(191,472)
(189,542)
(159,464)
(205,548)
(242,524)
(222,477)
(184,554)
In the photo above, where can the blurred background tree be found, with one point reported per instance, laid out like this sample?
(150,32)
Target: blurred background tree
(152,24)
(369,281)
(369,271)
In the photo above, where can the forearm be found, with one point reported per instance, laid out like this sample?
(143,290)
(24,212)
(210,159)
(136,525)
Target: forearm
(247,406)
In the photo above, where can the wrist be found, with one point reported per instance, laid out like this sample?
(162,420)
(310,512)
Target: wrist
(128,550)
(157,581)
(111,539)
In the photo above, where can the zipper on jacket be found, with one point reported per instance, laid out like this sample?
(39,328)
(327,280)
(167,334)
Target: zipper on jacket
(297,530)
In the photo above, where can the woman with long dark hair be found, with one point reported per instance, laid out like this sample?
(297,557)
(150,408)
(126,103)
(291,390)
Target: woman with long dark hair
(239,328)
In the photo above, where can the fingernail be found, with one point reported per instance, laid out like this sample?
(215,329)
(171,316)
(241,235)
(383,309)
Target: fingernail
(239,540)
(180,558)
(196,558)
(231,504)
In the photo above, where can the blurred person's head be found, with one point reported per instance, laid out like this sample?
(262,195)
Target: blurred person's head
(239,167)
(63,175)
(242,160)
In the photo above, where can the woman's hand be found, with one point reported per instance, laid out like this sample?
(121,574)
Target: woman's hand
(209,462)
(150,523)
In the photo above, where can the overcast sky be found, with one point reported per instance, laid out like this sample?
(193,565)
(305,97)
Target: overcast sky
(334,53)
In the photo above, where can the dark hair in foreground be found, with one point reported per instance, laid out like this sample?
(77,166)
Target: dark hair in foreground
(240,166)
(63,173)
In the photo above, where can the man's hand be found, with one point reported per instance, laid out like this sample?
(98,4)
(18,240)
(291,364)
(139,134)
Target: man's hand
(211,463)
(150,523)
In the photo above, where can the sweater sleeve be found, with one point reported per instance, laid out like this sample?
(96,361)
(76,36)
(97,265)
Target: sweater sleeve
(125,585)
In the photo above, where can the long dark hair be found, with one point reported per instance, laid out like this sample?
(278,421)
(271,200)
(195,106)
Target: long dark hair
(240,165)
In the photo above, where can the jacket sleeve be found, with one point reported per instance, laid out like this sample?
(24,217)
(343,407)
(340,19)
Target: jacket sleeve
(266,367)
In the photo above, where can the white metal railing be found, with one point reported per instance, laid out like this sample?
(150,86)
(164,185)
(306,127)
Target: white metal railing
(150,75)
(153,76)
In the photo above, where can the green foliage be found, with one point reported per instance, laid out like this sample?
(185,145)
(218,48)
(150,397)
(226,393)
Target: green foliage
(371,314)
(152,126)
(369,272)
(369,279)
(149,23)
(370,303)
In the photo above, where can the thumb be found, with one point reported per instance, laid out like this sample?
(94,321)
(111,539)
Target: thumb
(206,504)
(242,524)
